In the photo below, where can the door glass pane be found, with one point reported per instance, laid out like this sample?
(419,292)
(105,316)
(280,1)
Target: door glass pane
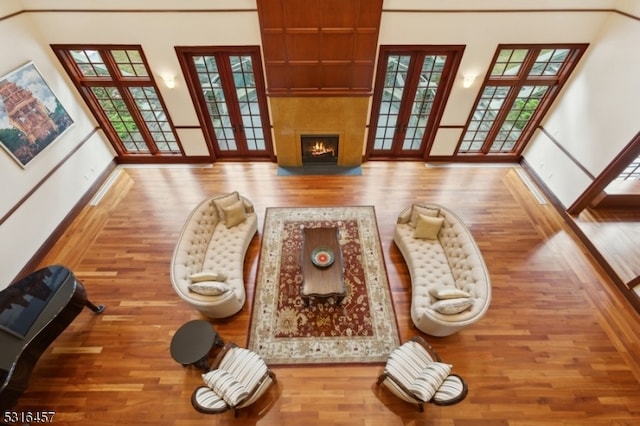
(244,80)
(430,76)
(518,117)
(110,99)
(394,83)
(210,84)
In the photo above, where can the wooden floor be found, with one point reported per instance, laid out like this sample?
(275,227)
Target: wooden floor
(558,345)
(615,233)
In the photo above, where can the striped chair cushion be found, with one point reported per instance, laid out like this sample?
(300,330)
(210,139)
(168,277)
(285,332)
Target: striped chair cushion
(246,366)
(208,400)
(449,390)
(427,383)
(406,362)
(226,386)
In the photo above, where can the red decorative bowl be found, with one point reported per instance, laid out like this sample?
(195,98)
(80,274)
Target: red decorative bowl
(322,257)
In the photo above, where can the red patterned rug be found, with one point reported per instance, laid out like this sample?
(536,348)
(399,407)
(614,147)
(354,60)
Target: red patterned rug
(362,329)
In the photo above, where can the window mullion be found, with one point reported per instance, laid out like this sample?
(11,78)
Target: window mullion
(527,65)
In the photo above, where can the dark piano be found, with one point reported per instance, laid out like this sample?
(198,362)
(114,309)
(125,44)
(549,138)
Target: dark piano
(34,311)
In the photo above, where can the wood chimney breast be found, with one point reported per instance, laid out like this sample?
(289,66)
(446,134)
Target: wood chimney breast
(319,47)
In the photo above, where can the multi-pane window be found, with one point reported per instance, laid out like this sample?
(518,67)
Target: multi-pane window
(631,172)
(522,83)
(117,85)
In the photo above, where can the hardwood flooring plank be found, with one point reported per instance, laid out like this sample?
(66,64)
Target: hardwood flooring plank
(559,341)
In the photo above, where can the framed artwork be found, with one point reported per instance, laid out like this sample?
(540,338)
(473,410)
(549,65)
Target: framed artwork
(31,117)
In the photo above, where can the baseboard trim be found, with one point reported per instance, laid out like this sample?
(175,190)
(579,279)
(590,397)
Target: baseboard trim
(40,254)
(600,260)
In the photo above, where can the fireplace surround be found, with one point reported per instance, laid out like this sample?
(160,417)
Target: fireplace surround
(319,149)
(315,115)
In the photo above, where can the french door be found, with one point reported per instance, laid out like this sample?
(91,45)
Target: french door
(227,87)
(411,89)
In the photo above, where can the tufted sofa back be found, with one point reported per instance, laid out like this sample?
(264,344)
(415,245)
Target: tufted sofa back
(206,243)
(464,257)
(192,245)
(453,259)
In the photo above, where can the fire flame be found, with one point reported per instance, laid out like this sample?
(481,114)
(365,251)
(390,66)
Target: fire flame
(319,148)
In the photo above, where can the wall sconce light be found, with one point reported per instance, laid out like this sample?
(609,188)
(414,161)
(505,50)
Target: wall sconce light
(169,81)
(468,81)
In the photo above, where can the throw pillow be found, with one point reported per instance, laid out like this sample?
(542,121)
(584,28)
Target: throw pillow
(225,386)
(427,382)
(234,214)
(447,292)
(428,227)
(209,288)
(225,201)
(452,306)
(417,210)
(207,276)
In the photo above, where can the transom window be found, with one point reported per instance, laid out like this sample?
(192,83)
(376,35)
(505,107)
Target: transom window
(521,85)
(116,84)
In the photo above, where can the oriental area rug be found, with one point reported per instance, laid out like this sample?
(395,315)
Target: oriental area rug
(362,329)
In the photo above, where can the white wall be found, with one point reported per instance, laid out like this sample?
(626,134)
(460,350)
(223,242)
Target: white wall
(481,32)
(31,32)
(595,116)
(158,32)
(27,228)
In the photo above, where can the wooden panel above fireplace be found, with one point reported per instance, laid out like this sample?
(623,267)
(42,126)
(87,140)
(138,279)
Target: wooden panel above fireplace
(319,47)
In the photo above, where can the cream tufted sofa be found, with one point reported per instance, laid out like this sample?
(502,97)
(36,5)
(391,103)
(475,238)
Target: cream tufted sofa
(448,272)
(207,245)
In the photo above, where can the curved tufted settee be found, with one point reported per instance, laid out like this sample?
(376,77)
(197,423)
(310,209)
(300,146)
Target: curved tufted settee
(450,283)
(208,260)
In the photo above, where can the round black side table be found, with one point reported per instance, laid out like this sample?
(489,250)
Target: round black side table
(192,343)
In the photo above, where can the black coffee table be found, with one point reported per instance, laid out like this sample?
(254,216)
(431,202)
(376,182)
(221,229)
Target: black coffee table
(192,343)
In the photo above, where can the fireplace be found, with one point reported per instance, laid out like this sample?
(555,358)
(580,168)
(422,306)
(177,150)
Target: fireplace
(319,149)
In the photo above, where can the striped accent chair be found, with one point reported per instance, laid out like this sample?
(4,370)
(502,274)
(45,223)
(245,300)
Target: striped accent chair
(238,377)
(415,373)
